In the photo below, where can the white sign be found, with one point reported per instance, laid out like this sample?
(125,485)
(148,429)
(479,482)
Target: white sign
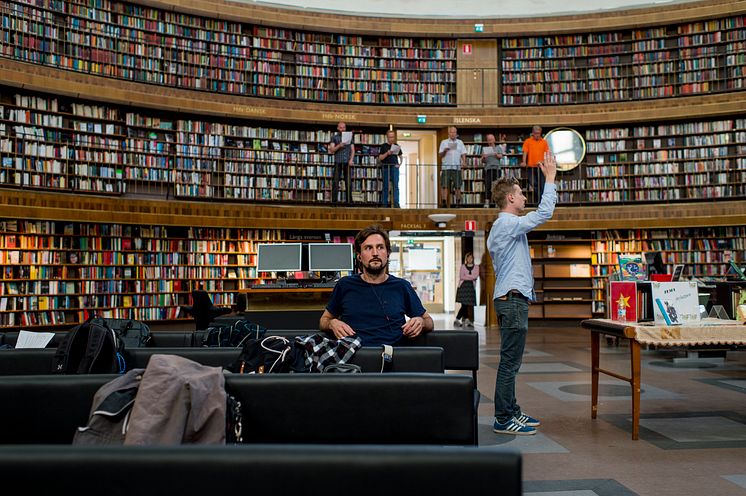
(675,303)
(422,259)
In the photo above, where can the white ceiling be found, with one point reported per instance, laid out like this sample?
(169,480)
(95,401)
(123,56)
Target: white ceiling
(463,8)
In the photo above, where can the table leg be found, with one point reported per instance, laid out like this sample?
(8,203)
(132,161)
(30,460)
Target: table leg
(595,347)
(635,367)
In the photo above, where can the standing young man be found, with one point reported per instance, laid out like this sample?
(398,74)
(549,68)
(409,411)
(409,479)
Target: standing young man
(514,288)
(343,150)
(374,304)
(534,149)
(453,155)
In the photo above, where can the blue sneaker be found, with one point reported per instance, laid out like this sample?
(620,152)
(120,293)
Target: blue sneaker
(514,427)
(528,420)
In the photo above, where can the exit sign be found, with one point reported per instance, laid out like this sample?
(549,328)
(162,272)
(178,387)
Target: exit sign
(470,225)
(466,48)
(421,119)
(479,28)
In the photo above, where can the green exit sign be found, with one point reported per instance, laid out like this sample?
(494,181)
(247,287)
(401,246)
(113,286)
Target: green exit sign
(421,119)
(479,28)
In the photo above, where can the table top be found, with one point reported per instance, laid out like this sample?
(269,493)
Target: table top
(705,332)
(260,290)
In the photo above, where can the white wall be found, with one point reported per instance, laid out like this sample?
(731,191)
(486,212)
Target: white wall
(473,9)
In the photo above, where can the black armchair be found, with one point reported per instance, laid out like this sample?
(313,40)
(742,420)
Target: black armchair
(203,310)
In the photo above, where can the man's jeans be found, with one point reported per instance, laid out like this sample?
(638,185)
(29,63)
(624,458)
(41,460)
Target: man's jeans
(390,173)
(513,315)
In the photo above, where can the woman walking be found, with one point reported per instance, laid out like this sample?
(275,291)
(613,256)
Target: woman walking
(466,293)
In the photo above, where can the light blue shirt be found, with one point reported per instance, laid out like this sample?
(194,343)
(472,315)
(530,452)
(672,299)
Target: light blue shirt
(508,246)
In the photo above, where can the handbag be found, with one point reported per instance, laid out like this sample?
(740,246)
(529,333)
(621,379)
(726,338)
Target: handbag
(342,368)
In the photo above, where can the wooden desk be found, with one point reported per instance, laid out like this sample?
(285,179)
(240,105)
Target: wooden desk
(709,332)
(287,299)
(286,308)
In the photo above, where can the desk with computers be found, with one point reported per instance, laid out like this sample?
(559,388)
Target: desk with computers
(296,282)
(302,265)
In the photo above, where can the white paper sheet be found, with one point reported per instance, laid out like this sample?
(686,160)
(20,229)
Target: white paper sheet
(28,339)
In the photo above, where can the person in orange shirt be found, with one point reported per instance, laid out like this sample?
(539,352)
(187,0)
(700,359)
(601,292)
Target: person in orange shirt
(534,149)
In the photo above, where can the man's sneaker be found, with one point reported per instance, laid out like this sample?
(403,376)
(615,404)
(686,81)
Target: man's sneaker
(528,420)
(513,427)
(467,323)
(457,323)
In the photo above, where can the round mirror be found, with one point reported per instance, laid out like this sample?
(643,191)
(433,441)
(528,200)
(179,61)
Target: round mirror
(568,147)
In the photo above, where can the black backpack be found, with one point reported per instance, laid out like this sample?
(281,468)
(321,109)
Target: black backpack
(90,348)
(271,354)
(231,335)
(133,333)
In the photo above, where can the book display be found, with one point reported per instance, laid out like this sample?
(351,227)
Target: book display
(705,253)
(158,46)
(679,60)
(73,146)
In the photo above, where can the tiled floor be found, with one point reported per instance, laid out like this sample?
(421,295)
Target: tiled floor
(692,427)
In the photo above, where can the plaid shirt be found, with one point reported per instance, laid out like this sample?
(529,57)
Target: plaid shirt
(322,351)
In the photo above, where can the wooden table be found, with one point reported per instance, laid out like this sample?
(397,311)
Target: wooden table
(708,332)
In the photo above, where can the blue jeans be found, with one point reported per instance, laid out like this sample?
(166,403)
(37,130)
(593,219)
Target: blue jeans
(513,315)
(390,173)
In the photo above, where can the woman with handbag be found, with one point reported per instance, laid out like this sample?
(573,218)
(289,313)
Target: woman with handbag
(466,293)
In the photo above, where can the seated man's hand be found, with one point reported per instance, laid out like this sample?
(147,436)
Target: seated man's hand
(340,329)
(413,327)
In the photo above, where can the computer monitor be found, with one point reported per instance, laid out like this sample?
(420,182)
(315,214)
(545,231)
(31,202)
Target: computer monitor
(330,257)
(654,260)
(279,257)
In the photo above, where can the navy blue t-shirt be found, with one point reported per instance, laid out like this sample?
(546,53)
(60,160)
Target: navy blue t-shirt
(375,311)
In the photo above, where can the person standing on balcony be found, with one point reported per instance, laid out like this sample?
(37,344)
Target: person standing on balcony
(453,155)
(534,149)
(343,150)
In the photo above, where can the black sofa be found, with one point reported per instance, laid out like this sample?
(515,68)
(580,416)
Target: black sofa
(40,361)
(157,338)
(460,348)
(399,408)
(311,470)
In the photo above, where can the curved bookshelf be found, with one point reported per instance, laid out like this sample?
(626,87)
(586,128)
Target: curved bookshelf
(155,46)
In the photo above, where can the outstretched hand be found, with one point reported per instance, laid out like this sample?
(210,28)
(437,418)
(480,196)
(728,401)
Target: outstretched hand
(549,167)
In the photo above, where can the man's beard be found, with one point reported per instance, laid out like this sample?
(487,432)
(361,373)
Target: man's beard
(375,271)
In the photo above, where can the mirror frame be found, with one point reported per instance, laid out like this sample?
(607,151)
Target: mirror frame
(568,166)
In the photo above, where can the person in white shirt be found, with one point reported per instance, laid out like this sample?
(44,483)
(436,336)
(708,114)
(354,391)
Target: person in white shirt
(453,155)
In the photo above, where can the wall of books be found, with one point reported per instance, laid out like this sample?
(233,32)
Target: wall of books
(679,60)
(682,161)
(156,46)
(672,161)
(75,146)
(56,273)
(59,272)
